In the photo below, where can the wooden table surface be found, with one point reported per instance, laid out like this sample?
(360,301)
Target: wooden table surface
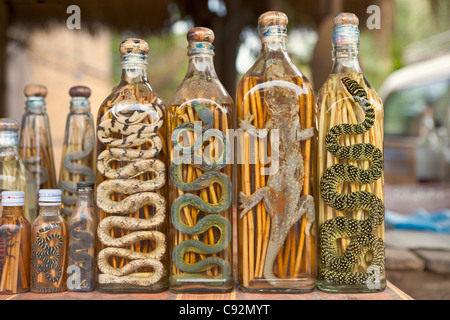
(391,293)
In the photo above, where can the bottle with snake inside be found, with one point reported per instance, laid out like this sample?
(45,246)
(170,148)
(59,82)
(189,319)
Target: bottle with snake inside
(81,268)
(50,240)
(275,141)
(78,155)
(131,181)
(15,245)
(36,147)
(200,174)
(350,206)
(14,173)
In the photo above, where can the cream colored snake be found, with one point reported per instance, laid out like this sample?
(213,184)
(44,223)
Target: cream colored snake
(141,193)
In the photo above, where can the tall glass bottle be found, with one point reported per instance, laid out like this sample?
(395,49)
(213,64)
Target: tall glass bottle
(15,245)
(200,175)
(78,156)
(50,241)
(274,155)
(35,138)
(131,181)
(81,268)
(350,210)
(14,174)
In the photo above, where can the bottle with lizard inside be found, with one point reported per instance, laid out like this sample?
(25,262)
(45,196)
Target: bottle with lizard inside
(275,140)
(350,179)
(200,175)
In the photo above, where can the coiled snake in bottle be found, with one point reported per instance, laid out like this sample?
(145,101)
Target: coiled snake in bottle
(140,193)
(76,168)
(338,269)
(211,175)
(48,255)
(84,240)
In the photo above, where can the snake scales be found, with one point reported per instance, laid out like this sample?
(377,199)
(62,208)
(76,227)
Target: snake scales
(76,168)
(49,256)
(140,193)
(212,218)
(83,241)
(338,269)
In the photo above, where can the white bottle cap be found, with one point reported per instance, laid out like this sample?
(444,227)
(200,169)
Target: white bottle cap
(13,198)
(50,197)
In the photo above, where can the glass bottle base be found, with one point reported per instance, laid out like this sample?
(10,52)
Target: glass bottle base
(329,287)
(195,286)
(127,288)
(262,286)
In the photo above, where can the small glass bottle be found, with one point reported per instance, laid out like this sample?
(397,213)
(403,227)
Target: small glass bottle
(35,138)
(15,247)
(350,179)
(14,174)
(78,156)
(275,140)
(132,181)
(50,241)
(201,204)
(81,268)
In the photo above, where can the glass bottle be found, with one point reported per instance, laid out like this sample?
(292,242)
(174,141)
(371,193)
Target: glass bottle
(78,156)
(200,195)
(81,268)
(350,203)
(132,181)
(14,174)
(35,138)
(275,140)
(15,247)
(49,245)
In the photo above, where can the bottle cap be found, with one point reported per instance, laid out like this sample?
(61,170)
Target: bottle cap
(200,34)
(134,49)
(13,198)
(80,91)
(85,186)
(35,90)
(200,40)
(9,124)
(50,197)
(272,23)
(345,29)
(9,132)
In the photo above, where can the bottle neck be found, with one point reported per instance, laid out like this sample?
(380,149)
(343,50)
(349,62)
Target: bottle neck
(134,69)
(12,211)
(346,59)
(79,105)
(50,211)
(201,62)
(9,142)
(35,105)
(85,199)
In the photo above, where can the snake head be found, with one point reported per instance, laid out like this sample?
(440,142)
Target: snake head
(355,90)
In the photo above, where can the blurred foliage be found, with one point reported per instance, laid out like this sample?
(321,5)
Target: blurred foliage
(415,20)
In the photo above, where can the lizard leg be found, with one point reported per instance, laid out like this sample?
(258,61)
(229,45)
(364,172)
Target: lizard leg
(248,202)
(307,207)
(305,134)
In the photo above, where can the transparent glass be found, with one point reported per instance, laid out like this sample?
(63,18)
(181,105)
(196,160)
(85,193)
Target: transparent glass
(338,244)
(36,145)
(200,196)
(82,269)
(78,156)
(132,186)
(274,156)
(15,249)
(15,176)
(50,242)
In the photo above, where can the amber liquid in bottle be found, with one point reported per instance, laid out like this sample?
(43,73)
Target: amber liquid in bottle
(275,147)
(132,181)
(201,256)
